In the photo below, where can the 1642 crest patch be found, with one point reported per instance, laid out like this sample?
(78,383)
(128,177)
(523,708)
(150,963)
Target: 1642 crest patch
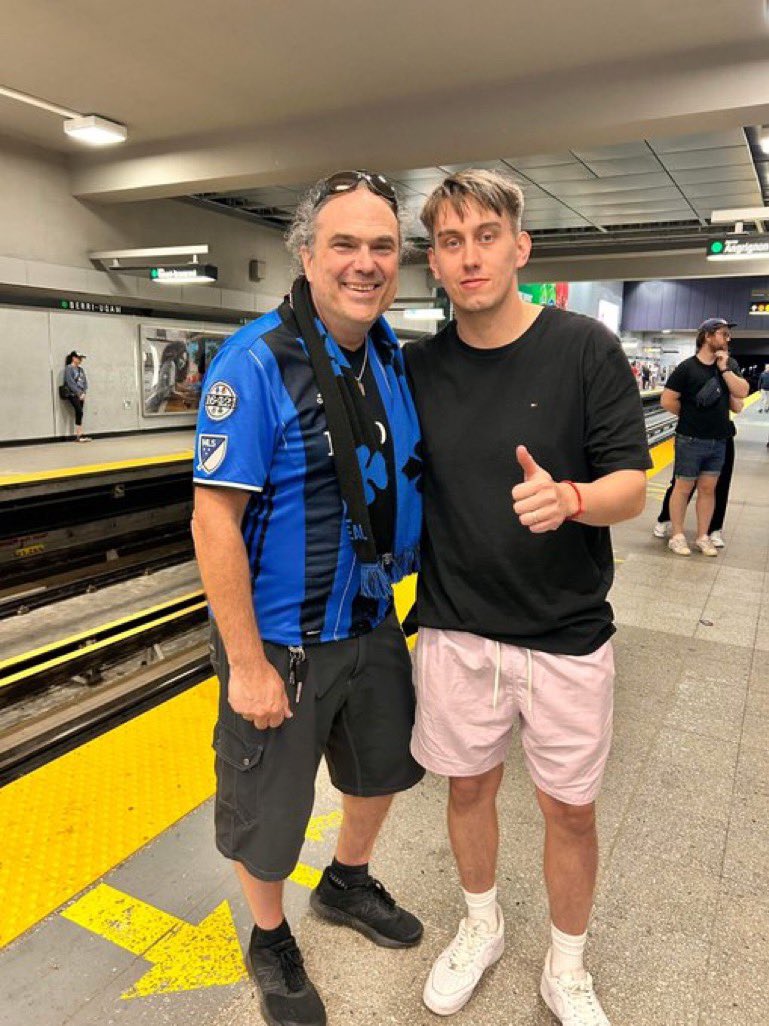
(221,400)
(211,452)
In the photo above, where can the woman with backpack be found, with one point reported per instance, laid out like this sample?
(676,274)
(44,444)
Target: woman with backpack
(76,385)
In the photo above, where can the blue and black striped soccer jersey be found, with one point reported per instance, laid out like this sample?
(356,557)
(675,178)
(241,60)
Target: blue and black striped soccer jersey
(261,428)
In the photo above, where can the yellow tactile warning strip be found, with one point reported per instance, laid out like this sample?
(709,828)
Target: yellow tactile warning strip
(71,821)
(30,671)
(662,456)
(73,639)
(93,468)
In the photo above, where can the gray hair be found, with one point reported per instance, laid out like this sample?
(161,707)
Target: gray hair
(301,231)
(489,189)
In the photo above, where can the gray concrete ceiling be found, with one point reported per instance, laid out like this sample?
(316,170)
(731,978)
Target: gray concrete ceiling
(613,117)
(671,183)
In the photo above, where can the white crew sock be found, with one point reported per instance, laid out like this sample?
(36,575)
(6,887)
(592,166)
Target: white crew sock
(566,952)
(482,908)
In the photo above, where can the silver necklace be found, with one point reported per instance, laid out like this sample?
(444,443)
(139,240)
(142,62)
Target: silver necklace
(359,377)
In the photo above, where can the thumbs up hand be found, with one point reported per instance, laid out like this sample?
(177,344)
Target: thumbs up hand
(540,503)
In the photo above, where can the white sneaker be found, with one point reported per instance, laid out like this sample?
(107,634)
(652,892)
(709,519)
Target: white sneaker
(572,998)
(661,529)
(457,970)
(706,546)
(678,545)
(717,539)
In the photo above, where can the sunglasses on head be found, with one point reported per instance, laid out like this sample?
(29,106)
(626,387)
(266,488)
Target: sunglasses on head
(346,181)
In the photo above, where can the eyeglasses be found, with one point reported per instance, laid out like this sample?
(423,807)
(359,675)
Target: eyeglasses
(346,181)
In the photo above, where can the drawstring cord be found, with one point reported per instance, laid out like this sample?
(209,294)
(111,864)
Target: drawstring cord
(497,672)
(529,677)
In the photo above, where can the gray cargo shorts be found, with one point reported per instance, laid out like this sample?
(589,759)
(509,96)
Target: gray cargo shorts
(356,709)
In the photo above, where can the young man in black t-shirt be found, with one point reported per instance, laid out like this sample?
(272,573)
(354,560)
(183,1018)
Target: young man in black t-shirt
(511,605)
(699,392)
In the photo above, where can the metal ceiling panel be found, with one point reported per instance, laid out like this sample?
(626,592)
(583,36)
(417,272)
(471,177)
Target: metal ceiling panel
(488,165)
(644,218)
(708,141)
(622,183)
(548,176)
(540,160)
(729,156)
(726,173)
(697,189)
(595,211)
(631,149)
(626,166)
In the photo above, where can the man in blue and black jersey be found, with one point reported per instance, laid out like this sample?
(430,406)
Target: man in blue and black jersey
(307,510)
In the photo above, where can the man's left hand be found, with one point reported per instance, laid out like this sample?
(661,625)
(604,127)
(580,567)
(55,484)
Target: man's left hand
(541,503)
(722,360)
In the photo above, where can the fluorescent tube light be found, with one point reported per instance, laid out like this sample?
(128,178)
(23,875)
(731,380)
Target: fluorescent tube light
(95,131)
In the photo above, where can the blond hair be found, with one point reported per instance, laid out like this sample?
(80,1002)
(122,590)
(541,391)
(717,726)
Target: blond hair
(489,189)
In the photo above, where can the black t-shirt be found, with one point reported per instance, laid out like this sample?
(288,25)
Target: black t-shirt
(380,488)
(691,377)
(565,390)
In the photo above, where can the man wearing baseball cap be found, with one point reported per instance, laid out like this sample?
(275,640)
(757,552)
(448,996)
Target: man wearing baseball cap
(699,392)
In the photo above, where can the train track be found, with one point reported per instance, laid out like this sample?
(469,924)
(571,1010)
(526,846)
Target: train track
(100,570)
(54,698)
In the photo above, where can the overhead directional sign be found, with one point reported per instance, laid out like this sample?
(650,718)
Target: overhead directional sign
(184,274)
(739,247)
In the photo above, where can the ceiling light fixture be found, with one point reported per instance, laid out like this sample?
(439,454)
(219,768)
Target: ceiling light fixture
(95,131)
(91,129)
(763,138)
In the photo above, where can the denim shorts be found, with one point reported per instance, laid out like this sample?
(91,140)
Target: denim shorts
(695,456)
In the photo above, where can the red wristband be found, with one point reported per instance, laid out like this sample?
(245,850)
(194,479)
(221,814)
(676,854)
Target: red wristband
(580,505)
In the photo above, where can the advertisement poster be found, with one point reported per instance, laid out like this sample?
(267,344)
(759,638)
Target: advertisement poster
(172,364)
(549,293)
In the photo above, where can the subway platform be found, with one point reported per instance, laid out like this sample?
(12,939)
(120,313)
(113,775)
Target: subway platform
(117,908)
(56,461)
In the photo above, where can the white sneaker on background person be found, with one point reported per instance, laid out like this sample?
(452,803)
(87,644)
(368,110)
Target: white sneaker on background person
(457,970)
(706,546)
(679,545)
(661,528)
(571,998)
(717,539)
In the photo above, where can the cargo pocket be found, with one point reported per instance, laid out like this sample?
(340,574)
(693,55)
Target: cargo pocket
(237,762)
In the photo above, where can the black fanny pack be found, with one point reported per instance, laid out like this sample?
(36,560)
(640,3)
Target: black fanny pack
(709,394)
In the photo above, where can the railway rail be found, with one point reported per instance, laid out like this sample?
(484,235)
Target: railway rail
(56,697)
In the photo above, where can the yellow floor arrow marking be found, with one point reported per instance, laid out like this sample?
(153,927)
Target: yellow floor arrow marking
(183,956)
(319,826)
(306,876)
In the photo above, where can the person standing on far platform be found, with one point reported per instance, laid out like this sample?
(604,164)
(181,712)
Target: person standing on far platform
(307,511)
(76,384)
(534,444)
(699,393)
(763,384)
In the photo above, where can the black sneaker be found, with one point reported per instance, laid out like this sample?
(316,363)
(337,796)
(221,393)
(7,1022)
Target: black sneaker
(287,996)
(367,908)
